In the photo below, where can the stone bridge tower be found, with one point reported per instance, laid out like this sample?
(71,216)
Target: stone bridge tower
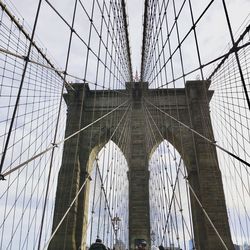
(189,105)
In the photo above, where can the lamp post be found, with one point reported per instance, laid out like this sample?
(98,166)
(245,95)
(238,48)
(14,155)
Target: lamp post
(116,221)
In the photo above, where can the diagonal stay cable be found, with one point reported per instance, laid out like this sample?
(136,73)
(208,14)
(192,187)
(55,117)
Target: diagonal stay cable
(200,135)
(60,142)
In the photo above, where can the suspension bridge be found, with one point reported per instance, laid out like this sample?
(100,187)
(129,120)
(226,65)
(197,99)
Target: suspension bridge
(91,150)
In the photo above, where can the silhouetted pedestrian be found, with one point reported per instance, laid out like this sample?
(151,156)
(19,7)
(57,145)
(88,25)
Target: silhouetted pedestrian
(161,247)
(98,245)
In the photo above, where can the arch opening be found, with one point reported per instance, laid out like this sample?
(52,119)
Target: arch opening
(107,197)
(169,199)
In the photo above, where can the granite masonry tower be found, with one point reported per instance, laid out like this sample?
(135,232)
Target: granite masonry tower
(189,105)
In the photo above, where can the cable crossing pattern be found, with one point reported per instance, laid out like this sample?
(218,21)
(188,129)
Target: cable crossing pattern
(87,151)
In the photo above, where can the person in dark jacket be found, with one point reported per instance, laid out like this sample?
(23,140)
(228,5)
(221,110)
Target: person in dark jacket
(98,245)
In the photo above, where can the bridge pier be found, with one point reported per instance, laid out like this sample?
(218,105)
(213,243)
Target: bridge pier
(139,216)
(204,174)
(69,178)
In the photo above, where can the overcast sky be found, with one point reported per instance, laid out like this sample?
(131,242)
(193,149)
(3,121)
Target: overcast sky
(213,36)
(213,33)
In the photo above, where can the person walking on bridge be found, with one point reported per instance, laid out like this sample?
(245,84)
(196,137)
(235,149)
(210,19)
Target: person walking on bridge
(98,245)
